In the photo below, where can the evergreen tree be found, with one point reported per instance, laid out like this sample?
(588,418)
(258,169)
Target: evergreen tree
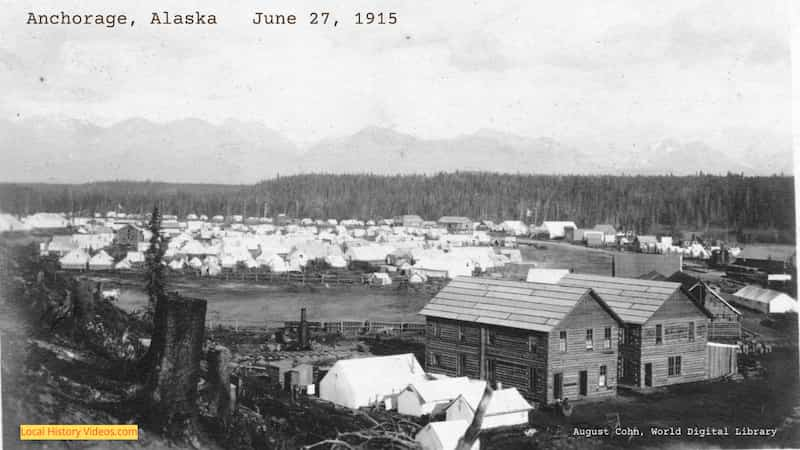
(154,261)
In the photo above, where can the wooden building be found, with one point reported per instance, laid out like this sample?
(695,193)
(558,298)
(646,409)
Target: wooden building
(664,338)
(129,236)
(456,224)
(726,323)
(546,340)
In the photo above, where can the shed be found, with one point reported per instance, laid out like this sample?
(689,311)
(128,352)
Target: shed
(443,435)
(506,408)
(430,396)
(764,300)
(359,382)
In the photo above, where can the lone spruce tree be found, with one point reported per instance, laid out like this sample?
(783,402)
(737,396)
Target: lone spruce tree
(154,262)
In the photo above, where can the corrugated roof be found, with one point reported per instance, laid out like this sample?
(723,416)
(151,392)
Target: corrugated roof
(515,304)
(632,299)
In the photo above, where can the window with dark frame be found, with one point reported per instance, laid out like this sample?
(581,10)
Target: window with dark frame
(435,360)
(562,341)
(691,331)
(607,338)
(601,380)
(674,366)
(532,344)
(589,339)
(491,337)
(659,335)
(437,330)
(461,337)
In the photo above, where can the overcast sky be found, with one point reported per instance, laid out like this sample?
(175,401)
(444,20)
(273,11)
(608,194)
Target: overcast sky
(577,70)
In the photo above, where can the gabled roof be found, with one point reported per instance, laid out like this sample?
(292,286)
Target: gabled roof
(632,299)
(442,389)
(761,295)
(503,401)
(689,282)
(514,304)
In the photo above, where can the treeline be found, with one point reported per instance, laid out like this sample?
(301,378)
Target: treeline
(639,203)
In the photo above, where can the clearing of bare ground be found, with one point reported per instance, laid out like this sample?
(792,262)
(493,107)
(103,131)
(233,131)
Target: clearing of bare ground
(250,303)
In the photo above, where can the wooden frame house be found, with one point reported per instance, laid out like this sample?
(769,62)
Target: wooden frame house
(546,340)
(665,334)
(726,325)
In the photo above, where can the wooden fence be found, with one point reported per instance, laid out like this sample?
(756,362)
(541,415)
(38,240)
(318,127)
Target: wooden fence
(341,327)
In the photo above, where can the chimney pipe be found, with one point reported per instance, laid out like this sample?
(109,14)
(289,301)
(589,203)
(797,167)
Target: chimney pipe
(303,331)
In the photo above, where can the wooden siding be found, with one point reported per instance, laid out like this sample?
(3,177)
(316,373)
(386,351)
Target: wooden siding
(721,360)
(588,314)
(726,325)
(674,317)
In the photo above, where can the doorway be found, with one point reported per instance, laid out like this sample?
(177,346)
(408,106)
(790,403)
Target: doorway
(648,374)
(557,386)
(583,383)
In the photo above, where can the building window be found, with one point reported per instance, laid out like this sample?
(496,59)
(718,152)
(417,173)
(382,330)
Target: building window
(491,337)
(437,330)
(532,344)
(532,380)
(589,339)
(691,331)
(461,337)
(659,335)
(674,366)
(607,338)
(436,360)
(622,336)
(562,341)
(601,381)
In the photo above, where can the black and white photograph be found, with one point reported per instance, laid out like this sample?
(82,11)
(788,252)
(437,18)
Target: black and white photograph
(359,225)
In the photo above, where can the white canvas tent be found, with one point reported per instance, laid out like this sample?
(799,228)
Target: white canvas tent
(354,383)
(443,435)
(101,261)
(764,300)
(548,276)
(507,407)
(75,260)
(556,230)
(430,396)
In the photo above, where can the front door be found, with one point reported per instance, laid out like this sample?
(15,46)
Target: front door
(583,383)
(648,374)
(557,386)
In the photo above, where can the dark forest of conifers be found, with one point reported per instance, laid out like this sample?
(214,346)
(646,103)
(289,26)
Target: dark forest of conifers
(638,203)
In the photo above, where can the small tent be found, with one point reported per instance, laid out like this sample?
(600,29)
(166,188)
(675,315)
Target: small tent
(443,435)
(75,260)
(101,261)
(507,407)
(430,397)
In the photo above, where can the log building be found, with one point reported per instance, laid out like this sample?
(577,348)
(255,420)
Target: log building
(546,340)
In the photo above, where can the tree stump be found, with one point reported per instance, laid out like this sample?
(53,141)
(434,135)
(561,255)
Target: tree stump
(219,380)
(176,350)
